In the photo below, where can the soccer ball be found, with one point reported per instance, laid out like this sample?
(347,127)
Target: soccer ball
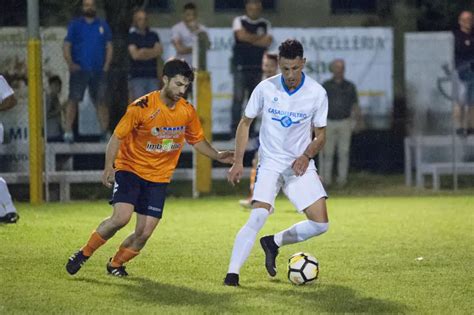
(303,268)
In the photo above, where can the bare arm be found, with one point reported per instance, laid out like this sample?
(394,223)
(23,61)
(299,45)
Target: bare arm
(68,57)
(109,53)
(8,103)
(241,139)
(145,53)
(208,150)
(110,155)
(257,40)
(301,163)
(356,115)
(180,48)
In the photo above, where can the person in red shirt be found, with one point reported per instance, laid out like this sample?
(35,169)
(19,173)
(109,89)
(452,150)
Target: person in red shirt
(141,157)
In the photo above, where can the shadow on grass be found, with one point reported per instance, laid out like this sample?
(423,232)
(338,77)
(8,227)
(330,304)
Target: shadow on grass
(139,289)
(330,298)
(315,298)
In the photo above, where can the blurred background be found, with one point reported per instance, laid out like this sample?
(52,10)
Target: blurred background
(410,62)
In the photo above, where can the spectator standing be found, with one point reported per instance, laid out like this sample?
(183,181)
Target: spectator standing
(464,87)
(144,48)
(252,38)
(88,54)
(343,108)
(54,109)
(184,33)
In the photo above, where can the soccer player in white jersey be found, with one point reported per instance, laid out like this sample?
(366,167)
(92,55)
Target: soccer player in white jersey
(8,212)
(292,106)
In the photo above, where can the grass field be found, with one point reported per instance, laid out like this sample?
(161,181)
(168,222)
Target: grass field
(368,260)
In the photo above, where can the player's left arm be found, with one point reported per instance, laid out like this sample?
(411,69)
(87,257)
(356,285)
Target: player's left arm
(301,163)
(204,147)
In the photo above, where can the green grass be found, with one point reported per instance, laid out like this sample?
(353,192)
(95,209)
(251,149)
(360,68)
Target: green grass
(368,260)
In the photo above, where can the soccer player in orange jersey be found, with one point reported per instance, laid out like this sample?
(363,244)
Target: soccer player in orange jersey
(141,157)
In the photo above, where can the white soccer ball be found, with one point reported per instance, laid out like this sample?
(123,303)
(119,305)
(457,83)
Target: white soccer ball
(303,268)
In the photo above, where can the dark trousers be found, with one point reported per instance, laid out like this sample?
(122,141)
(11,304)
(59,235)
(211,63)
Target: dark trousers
(244,83)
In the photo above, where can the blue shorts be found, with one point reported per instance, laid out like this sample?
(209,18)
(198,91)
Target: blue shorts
(147,197)
(81,79)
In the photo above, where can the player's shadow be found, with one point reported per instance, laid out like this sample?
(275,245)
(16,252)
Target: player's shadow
(139,289)
(331,298)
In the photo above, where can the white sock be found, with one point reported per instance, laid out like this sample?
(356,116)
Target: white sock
(299,232)
(6,204)
(246,238)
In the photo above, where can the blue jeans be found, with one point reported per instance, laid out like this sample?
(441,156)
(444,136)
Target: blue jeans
(141,86)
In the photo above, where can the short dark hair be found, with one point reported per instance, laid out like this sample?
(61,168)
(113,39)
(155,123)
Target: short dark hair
(290,49)
(189,6)
(271,56)
(174,67)
(55,79)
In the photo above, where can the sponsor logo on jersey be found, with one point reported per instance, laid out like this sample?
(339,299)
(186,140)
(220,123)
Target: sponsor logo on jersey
(286,118)
(166,145)
(168,132)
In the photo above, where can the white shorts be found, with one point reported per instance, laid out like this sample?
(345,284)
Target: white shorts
(302,191)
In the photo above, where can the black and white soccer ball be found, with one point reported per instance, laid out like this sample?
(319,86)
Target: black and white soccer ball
(303,268)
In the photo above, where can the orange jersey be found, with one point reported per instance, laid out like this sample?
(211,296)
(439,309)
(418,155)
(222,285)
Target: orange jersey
(153,136)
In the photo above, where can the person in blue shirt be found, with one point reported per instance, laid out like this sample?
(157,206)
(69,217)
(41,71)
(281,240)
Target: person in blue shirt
(144,49)
(88,54)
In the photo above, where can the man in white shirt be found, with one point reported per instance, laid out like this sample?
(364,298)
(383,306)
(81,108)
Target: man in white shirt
(8,212)
(293,106)
(184,33)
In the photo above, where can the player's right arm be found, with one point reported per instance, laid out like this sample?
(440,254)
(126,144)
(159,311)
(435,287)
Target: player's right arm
(110,155)
(129,121)
(241,139)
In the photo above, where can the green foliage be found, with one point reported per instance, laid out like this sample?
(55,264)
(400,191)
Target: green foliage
(368,260)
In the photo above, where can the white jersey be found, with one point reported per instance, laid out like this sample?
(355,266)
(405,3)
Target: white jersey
(288,119)
(5,91)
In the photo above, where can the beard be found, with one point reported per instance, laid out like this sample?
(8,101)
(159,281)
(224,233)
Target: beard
(171,96)
(89,13)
